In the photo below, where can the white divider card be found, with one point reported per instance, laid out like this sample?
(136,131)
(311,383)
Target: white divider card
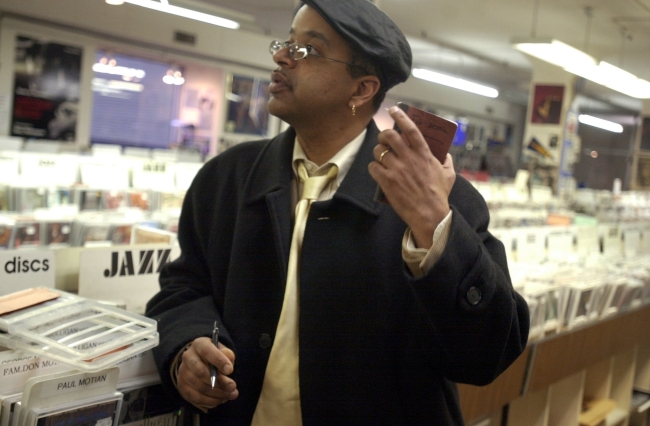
(138,370)
(587,241)
(507,237)
(106,173)
(17,366)
(560,243)
(9,167)
(611,237)
(23,269)
(645,240)
(55,169)
(125,274)
(531,244)
(631,242)
(151,174)
(57,388)
(185,173)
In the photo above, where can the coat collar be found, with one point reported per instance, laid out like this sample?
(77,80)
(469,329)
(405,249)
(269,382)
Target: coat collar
(272,171)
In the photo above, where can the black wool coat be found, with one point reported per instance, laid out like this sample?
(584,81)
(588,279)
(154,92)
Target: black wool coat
(377,346)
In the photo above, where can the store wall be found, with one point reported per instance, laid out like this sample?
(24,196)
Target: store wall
(138,31)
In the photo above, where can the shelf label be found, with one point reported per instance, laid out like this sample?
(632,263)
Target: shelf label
(23,269)
(155,175)
(125,275)
(103,174)
(55,169)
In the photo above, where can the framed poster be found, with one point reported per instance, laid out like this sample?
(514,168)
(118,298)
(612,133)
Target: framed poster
(46,90)
(246,112)
(547,104)
(643,172)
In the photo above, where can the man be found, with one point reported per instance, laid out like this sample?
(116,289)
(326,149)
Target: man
(392,302)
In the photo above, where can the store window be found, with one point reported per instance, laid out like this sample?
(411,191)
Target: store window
(134,101)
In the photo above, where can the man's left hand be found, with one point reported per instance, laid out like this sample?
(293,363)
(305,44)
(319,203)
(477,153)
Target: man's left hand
(414,182)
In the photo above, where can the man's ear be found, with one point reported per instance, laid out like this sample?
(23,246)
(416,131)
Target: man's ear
(366,88)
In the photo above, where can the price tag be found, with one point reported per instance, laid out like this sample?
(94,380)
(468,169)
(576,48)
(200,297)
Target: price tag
(23,269)
(128,273)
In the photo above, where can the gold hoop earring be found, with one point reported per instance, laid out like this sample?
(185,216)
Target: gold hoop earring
(354,110)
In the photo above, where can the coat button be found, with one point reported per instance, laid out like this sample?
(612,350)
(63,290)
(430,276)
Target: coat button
(473,296)
(265,341)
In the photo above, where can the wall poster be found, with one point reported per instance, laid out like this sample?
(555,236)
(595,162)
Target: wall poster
(547,104)
(247,99)
(46,90)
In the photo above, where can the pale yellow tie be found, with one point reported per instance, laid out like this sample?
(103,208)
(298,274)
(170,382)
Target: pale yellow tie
(279,402)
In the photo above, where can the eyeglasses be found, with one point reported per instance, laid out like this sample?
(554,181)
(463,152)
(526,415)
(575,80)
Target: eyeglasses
(299,51)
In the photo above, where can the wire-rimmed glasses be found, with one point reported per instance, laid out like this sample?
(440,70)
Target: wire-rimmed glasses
(298,51)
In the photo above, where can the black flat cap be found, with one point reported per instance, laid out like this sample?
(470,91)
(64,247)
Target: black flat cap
(369,30)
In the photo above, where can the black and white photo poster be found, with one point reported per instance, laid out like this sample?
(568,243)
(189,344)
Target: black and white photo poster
(46,90)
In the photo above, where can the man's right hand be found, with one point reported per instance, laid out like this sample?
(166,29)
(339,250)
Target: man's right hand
(193,381)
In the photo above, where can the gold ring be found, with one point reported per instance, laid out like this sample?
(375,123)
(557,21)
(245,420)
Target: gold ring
(381,156)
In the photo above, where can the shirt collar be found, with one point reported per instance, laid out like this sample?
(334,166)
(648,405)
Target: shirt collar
(343,159)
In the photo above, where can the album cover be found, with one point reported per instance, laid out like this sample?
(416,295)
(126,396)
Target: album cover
(146,235)
(148,405)
(6,229)
(121,233)
(57,233)
(26,234)
(94,232)
(60,197)
(90,199)
(29,199)
(113,200)
(139,199)
(171,200)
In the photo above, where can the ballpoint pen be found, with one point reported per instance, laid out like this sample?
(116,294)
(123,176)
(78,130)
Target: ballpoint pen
(213,369)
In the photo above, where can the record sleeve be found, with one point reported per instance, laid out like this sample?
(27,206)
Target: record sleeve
(97,411)
(148,405)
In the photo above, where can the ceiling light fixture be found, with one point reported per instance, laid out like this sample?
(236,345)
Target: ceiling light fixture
(115,2)
(600,123)
(581,64)
(164,6)
(457,83)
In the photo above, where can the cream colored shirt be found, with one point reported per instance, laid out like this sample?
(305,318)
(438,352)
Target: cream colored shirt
(419,261)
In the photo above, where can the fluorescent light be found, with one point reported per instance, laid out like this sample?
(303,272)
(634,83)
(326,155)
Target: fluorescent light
(115,2)
(600,123)
(185,13)
(556,53)
(457,83)
(579,63)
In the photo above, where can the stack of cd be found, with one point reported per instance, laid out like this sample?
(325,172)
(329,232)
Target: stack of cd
(73,330)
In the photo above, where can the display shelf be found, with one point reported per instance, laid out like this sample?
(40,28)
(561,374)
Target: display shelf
(605,359)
